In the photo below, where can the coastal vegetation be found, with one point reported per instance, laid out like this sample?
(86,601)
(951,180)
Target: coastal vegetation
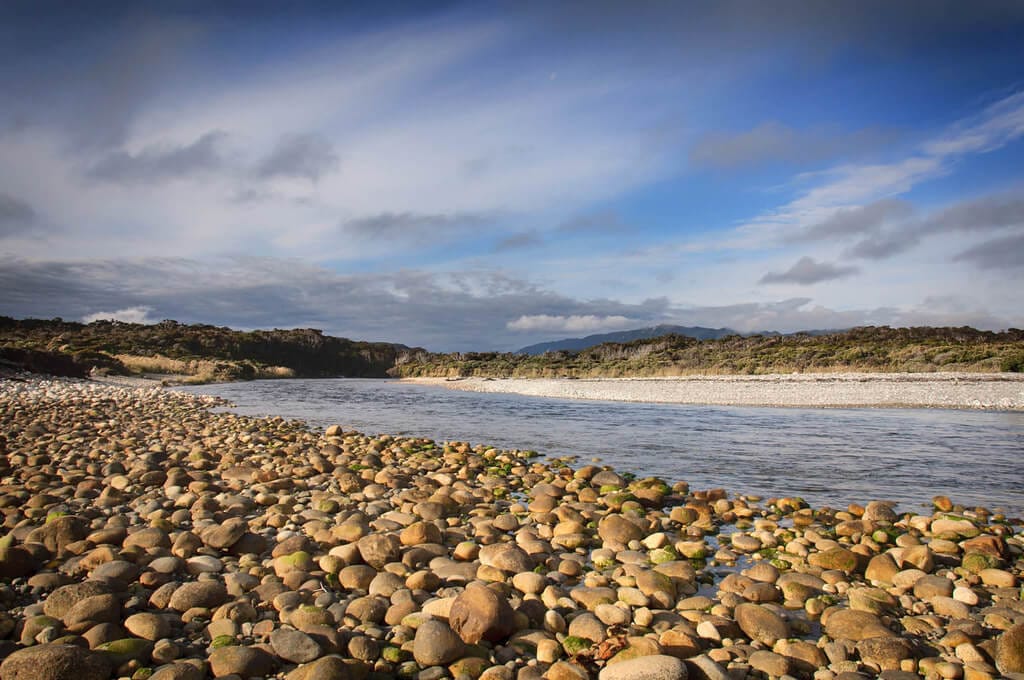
(866,349)
(201,353)
(204,353)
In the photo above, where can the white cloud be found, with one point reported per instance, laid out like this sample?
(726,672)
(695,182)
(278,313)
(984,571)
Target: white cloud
(411,120)
(128,315)
(835,192)
(570,324)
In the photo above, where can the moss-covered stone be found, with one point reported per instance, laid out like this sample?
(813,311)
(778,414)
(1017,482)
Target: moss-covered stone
(574,645)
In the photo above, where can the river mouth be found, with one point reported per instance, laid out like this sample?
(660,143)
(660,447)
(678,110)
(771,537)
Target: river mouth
(831,457)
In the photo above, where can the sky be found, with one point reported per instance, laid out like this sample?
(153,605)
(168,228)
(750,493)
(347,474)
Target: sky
(486,175)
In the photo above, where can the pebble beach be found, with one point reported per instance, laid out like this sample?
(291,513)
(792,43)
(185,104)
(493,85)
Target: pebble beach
(1000,391)
(147,535)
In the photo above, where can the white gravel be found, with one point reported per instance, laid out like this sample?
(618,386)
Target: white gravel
(996,391)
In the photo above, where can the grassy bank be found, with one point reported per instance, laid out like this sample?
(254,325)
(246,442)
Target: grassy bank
(869,350)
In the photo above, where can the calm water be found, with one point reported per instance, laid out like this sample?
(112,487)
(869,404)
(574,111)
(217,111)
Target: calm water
(828,456)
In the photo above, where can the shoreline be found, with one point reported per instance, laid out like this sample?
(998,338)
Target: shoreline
(147,535)
(962,391)
(985,391)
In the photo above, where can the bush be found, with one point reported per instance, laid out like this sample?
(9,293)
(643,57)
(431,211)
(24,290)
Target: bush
(1013,363)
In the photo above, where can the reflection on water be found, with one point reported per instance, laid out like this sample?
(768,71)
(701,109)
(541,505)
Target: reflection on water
(828,456)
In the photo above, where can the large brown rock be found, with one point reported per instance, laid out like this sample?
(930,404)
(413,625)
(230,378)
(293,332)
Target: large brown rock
(761,624)
(244,661)
(881,569)
(849,624)
(327,668)
(225,535)
(55,662)
(105,608)
(379,549)
(834,558)
(294,645)
(207,594)
(880,511)
(419,533)
(180,670)
(506,556)
(614,529)
(884,652)
(16,562)
(436,644)
(58,533)
(148,626)
(479,613)
(652,667)
(60,601)
(1010,650)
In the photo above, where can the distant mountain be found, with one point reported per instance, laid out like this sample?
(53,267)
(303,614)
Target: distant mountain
(577,344)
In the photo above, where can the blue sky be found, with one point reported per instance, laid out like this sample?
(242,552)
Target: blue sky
(488,175)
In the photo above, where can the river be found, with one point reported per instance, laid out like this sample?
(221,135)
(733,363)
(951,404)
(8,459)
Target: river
(827,456)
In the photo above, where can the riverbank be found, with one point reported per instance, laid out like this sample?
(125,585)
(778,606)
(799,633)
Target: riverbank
(148,536)
(1000,391)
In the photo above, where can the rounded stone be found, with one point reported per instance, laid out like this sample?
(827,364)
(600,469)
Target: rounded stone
(419,533)
(654,667)
(379,549)
(182,670)
(207,594)
(617,530)
(294,645)
(1010,650)
(479,613)
(505,556)
(436,644)
(529,582)
(761,624)
(64,598)
(105,608)
(849,624)
(244,661)
(55,662)
(225,535)
(147,626)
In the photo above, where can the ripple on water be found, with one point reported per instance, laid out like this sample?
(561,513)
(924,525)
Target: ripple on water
(828,456)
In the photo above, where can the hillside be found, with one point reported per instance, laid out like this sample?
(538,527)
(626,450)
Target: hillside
(206,353)
(577,344)
(872,349)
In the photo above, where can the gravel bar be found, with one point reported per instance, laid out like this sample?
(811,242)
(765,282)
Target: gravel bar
(994,391)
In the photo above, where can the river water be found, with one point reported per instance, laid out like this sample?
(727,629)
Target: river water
(827,456)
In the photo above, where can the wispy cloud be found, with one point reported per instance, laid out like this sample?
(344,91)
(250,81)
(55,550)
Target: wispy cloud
(854,192)
(972,217)
(597,222)
(307,156)
(157,163)
(807,271)
(519,241)
(774,142)
(413,227)
(1006,252)
(16,216)
(852,222)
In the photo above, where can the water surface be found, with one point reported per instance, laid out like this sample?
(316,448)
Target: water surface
(827,456)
